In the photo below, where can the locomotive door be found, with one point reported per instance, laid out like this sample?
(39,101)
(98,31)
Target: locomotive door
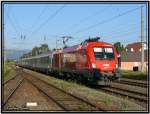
(59,64)
(82,59)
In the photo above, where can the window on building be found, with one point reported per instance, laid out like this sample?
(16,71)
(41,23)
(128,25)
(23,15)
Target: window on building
(132,50)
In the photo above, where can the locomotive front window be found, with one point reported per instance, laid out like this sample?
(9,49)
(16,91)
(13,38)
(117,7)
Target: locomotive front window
(98,52)
(103,53)
(109,53)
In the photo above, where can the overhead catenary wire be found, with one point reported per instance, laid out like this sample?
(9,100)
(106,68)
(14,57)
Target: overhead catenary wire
(15,20)
(107,20)
(13,25)
(48,19)
(126,34)
(89,17)
(121,27)
(124,30)
(38,17)
(121,35)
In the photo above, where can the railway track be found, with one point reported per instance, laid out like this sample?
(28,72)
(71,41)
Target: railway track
(129,94)
(137,97)
(11,85)
(63,99)
(5,100)
(18,72)
(133,82)
(27,94)
(69,102)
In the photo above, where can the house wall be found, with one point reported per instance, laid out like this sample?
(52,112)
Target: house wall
(130,65)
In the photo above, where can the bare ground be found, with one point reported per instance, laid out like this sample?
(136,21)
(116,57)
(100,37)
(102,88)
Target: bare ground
(27,93)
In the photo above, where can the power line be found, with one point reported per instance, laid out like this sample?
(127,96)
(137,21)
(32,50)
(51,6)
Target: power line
(119,32)
(88,17)
(127,33)
(14,18)
(114,32)
(39,16)
(13,25)
(49,18)
(108,20)
(119,28)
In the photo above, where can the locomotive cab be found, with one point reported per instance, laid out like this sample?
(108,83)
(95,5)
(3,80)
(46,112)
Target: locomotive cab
(103,62)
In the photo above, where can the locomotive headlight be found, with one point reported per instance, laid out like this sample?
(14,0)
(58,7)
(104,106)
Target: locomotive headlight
(93,65)
(116,65)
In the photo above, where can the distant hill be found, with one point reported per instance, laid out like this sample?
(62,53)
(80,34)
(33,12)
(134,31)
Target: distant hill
(14,54)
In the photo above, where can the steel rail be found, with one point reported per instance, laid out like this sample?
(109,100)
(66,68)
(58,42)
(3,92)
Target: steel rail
(59,104)
(93,104)
(125,93)
(133,83)
(5,82)
(13,91)
(10,79)
(129,90)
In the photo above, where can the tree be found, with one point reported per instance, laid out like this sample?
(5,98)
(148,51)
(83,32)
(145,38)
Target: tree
(35,51)
(119,47)
(44,48)
(120,50)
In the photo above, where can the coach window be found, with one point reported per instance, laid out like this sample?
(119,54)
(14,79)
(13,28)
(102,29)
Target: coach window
(41,60)
(47,59)
(44,60)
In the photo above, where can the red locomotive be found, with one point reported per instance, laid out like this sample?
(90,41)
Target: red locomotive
(91,61)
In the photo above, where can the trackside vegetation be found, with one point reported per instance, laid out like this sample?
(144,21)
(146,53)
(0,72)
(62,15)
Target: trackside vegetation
(8,71)
(122,104)
(134,74)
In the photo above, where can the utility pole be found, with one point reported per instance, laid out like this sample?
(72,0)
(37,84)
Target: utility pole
(146,41)
(142,40)
(44,38)
(56,42)
(24,37)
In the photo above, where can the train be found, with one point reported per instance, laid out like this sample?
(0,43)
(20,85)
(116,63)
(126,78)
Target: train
(92,61)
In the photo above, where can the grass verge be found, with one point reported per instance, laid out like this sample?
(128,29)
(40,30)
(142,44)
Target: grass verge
(138,75)
(8,71)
